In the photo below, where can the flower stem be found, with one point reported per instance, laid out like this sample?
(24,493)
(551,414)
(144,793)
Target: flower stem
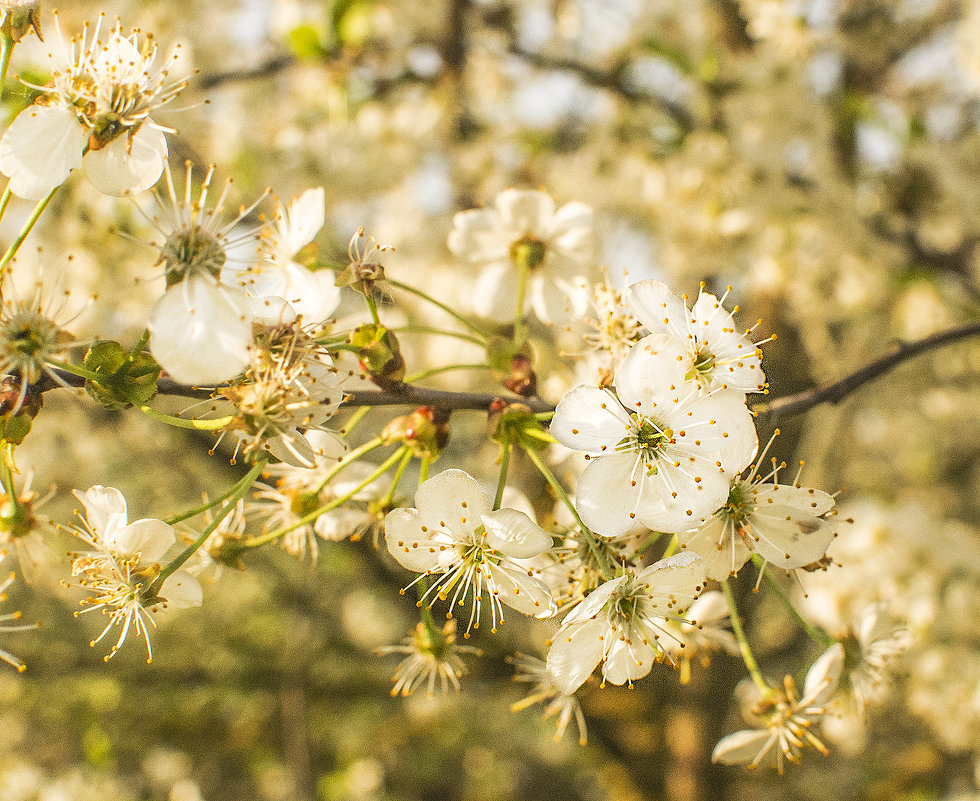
(520,329)
(396,479)
(42,204)
(353,456)
(743,643)
(815,633)
(180,422)
(5,200)
(210,504)
(545,471)
(505,449)
(237,493)
(272,536)
(444,369)
(6,50)
(6,474)
(424,468)
(355,418)
(422,586)
(424,329)
(81,372)
(455,315)
(140,344)
(372,306)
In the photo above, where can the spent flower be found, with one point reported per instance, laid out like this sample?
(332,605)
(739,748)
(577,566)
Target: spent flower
(431,656)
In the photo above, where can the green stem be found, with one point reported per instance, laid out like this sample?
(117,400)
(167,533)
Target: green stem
(444,369)
(234,497)
(815,633)
(5,200)
(6,475)
(424,468)
(353,420)
(544,417)
(545,471)
(372,306)
(397,478)
(743,643)
(6,50)
(424,329)
(455,315)
(272,536)
(42,204)
(505,449)
(180,422)
(210,504)
(81,372)
(353,456)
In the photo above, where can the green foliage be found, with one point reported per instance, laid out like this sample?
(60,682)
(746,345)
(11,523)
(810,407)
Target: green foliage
(124,379)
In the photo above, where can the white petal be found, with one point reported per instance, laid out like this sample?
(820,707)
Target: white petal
(593,602)
(149,538)
(732,436)
(312,294)
(573,233)
(626,662)
(41,146)
(608,495)
(682,495)
(742,746)
(590,419)
(808,500)
(477,236)
(199,333)
(528,595)
(721,548)
(824,675)
(413,548)
(652,374)
(526,211)
(305,217)
(495,292)
(452,499)
(128,166)
(181,590)
(575,651)
(105,508)
(514,534)
(558,301)
(658,308)
(672,584)
(339,524)
(788,538)
(292,448)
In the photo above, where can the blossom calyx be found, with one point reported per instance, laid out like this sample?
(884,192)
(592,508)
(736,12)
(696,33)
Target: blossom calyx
(425,431)
(379,353)
(125,379)
(21,20)
(515,422)
(18,407)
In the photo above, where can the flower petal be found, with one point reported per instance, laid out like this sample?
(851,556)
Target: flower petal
(526,211)
(495,292)
(199,332)
(40,148)
(413,547)
(608,494)
(477,236)
(590,419)
(658,308)
(452,499)
(149,538)
(575,652)
(652,375)
(528,595)
(514,534)
(181,590)
(627,661)
(788,538)
(128,165)
(105,509)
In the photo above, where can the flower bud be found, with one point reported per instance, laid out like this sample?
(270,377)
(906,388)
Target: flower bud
(379,354)
(425,431)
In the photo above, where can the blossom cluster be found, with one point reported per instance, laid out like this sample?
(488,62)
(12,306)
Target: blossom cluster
(658,494)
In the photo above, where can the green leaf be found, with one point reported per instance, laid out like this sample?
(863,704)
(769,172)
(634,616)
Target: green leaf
(123,380)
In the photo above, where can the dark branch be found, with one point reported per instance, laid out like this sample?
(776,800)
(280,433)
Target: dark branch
(838,390)
(266,69)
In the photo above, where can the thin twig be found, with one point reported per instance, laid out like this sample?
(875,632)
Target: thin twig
(838,390)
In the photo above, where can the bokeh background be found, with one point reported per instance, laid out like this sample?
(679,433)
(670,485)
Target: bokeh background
(821,156)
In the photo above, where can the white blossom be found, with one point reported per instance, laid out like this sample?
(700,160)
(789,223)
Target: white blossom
(557,245)
(454,535)
(95,111)
(621,623)
(660,452)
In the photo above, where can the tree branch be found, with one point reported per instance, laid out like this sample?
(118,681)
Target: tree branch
(838,390)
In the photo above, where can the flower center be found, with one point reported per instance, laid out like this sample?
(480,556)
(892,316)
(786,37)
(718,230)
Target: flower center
(646,438)
(304,503)
(528,251)
(192,251)
(704,363)
(736,508)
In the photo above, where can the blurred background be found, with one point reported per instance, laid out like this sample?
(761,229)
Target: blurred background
(821,156)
